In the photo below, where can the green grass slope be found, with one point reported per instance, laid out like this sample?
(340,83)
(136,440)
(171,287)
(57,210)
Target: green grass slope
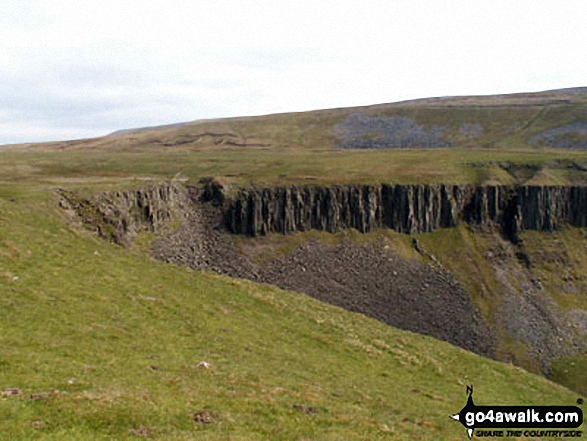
(105,344)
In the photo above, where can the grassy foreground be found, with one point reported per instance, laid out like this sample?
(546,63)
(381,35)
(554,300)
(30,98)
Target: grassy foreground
(105,344)
(285,166)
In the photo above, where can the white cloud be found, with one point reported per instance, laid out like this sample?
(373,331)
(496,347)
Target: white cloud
(31,131)
(85,67)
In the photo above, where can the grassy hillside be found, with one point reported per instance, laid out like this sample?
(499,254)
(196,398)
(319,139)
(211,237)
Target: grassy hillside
(489,268)
(104,343)
(503,121)
(496,139)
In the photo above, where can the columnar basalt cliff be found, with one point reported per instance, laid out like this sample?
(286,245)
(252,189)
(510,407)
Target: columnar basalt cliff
(404,208)
(193,227)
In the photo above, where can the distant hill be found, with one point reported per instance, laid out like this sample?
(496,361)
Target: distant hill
(556,118)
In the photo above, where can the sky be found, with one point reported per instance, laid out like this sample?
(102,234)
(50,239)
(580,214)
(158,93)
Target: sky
(73,69)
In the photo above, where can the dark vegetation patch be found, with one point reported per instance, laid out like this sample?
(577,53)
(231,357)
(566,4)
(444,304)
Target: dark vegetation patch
(360,131)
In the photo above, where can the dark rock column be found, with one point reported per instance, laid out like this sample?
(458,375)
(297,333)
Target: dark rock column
(403,208)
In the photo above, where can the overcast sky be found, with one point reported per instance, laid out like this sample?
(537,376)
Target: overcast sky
(71,69)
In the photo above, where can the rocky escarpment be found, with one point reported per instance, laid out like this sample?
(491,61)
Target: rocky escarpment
(420,296)
(120,215)
(405,208)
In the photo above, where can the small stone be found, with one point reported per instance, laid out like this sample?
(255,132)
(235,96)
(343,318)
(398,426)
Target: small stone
(14,392)
(203,417)
(204,365)
(142,431)
(40,396)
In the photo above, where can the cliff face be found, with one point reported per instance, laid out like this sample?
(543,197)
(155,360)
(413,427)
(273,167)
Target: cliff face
(404,208)
(120,215)
(371,279)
